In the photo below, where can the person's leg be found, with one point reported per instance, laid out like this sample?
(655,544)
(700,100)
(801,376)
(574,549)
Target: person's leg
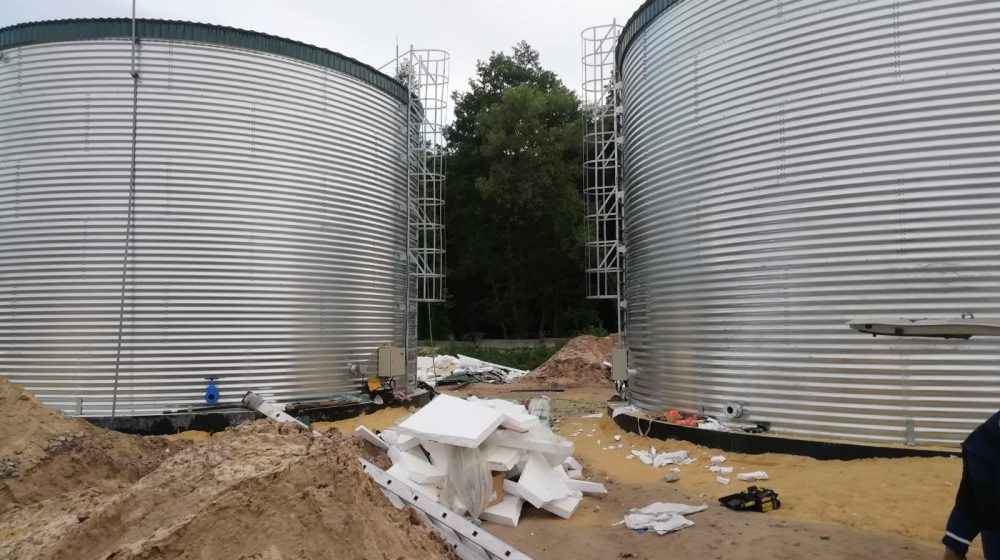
(991,544)
(964,522)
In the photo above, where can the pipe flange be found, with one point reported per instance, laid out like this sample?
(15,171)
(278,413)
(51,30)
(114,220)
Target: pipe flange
(733,409)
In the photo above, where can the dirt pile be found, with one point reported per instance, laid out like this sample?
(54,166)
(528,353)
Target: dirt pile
(260,491)
(577,364)
(44,452)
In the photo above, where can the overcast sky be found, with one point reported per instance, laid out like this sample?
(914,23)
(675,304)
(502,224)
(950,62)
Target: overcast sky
(367,29)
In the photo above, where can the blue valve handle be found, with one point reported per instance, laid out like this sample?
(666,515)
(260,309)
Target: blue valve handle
(211,393)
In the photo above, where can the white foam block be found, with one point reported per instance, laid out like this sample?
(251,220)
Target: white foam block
(417,469)
(586,486)
(418,452)
(403,441)
(661,460)
(540,483)
(370,437)
(438,453)
(516,417)
(453,421)
(566,506)
(568,473)
(539,438)
(751,476)
(675,456)
(429,490)
(503,459)
(643,456)
(519,422)
(389,436)
(507,512)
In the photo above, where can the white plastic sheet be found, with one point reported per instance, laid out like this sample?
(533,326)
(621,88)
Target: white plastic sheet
(662,517)
(468,483)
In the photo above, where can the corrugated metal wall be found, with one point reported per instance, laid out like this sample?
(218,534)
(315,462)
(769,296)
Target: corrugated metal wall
(270,224)
(790,165)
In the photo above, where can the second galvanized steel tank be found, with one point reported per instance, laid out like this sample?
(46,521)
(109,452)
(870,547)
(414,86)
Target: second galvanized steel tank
(791,165)
(270,215)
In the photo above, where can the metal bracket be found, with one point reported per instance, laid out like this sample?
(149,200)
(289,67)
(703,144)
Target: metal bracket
(254,401)
(469,532)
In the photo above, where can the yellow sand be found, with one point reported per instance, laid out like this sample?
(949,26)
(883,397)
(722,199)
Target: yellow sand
(909,497)
(378,420)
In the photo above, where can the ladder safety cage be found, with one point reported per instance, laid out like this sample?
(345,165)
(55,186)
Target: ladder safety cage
(425,72)
(601,170)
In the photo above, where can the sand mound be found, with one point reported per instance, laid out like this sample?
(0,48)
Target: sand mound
(260,491)
(577,364)
(44,452)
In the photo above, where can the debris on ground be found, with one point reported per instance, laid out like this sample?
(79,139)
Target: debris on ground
(694,420)
(662,517)
(579,363)
(485,459)
(752,476)
(658,460)
(446,370)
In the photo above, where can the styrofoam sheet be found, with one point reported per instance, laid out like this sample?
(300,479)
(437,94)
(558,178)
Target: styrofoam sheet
(453,421)
(371,438)
(540,483)
(503,459)
(507,512)
(417,468)
(431,491)
(539,438)
(516,416)
(587,486)
(565,507)
(404,442)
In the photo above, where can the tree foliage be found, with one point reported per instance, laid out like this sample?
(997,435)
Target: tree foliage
(515,210)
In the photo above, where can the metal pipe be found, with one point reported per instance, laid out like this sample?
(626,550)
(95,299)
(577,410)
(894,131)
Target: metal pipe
(130,213)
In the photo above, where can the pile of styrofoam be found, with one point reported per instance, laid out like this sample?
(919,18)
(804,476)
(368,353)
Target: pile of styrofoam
(658,460)
(431,369)
(452,451)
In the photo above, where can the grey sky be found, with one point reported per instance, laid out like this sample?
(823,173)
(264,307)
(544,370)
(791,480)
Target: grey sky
(367,29)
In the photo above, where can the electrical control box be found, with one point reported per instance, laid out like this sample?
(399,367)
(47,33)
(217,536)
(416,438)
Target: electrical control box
(391,361)
(619,364)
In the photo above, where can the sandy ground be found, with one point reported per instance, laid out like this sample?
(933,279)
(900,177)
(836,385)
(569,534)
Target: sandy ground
(259,491)
(878,508)
(875,508)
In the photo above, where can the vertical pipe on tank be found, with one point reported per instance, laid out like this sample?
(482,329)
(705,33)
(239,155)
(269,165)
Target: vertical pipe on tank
(130,212)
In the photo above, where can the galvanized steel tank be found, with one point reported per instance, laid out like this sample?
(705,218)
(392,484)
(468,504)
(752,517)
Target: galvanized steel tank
(270,215)
(791,165)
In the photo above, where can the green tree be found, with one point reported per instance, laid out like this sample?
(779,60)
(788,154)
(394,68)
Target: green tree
(515,211)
